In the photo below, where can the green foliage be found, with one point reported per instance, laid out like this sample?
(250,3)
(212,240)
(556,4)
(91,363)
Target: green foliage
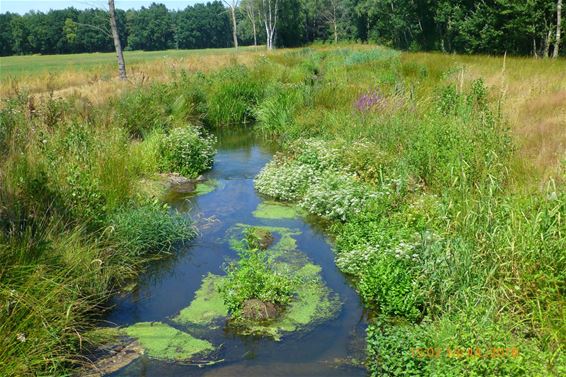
(187,152)
(389,286)
(391,349)
(284,180)
(75,221)
(468,27)
(149,228)
(161,106)
(253,277)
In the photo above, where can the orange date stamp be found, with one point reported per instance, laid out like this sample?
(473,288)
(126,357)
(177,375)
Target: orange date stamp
(461,352)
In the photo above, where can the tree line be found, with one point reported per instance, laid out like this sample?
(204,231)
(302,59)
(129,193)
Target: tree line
(529,27)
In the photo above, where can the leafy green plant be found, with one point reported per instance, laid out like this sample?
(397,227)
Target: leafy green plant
(187,152)
(253,277)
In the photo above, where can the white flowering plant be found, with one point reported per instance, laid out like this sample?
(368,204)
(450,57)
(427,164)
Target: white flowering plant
(336,196)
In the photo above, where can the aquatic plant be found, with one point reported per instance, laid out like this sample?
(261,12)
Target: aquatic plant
(163,342)
(253,276)
(312,301)
(207,305)
(274,210)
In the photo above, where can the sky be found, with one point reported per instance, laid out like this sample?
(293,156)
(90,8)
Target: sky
(23,6)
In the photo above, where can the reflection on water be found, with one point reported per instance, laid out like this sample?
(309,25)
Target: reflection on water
(169,285)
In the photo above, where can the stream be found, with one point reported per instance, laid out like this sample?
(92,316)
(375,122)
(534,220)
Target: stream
(169,285)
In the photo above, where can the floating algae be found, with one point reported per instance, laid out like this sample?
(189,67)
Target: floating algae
(286,240)
(206,187)
(313,302)
(207,306)
(274,210)
(161,341)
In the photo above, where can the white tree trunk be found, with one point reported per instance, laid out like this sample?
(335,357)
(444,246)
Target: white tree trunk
(558,27)
(234,30)
(270,10)
(546,51)
(116,37)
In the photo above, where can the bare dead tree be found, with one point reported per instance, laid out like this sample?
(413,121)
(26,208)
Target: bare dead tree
(332,13)
(116,36)
(558,27)
(270,9)
(233,5)
(251,12)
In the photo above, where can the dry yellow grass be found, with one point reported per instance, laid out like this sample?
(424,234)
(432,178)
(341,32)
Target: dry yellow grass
(533,101)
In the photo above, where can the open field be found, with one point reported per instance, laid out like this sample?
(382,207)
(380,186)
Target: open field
(440,177)
(21,67)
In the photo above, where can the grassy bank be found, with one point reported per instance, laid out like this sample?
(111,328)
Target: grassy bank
(447,212)
(458,258)
(80,212)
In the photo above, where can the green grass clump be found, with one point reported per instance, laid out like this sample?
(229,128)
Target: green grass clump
(149,228)
(232,96)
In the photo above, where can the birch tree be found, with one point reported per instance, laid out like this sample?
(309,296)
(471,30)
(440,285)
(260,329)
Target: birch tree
(117,44)
(558,26)
(233,5)
(270,10)
(250,10)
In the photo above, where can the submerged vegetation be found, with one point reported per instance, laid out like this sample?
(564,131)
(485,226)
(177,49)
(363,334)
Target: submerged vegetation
(452,239)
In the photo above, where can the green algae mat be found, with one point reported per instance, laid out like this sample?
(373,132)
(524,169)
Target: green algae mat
(207,306)
(163,342)
(273,210)
(206,187)
(313,302)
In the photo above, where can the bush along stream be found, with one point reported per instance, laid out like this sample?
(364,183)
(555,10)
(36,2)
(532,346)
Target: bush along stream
(444,261)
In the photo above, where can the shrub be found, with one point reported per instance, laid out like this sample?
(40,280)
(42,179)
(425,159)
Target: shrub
(391,348)
(335,196)
(253,277)
(389,285)
(283,179)
(149,228)
(187,152)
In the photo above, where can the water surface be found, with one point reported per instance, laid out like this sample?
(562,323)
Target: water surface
(169,285)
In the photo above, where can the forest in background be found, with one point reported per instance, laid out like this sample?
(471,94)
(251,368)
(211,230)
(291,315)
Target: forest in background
(462,26)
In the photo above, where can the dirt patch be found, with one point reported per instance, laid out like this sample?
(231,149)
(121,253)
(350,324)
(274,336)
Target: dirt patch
(258,310)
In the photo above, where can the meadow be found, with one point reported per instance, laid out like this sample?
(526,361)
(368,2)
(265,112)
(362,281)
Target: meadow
(440,178)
